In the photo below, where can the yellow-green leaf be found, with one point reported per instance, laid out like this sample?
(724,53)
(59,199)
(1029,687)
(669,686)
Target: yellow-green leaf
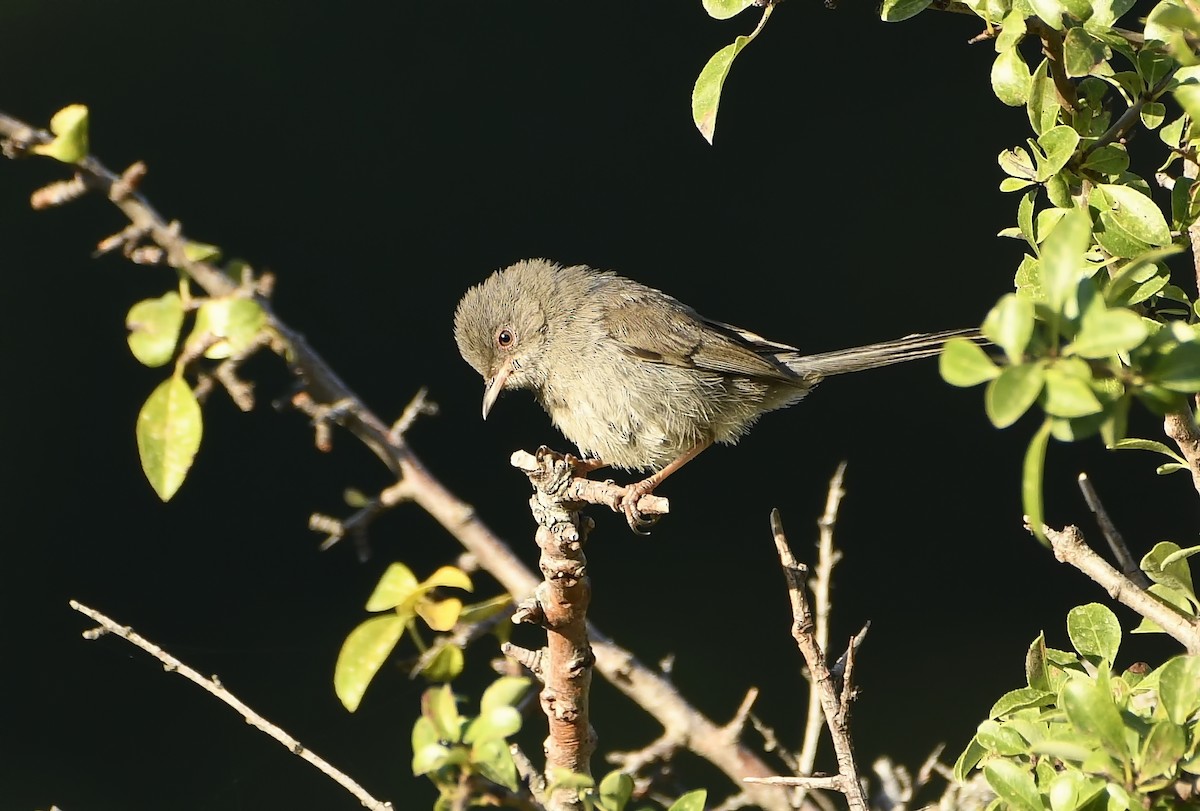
(1033,473)
(724,9)
(394,587)
(154,328)
(440,615)
(448,576)
(363,653)
(169,427)
(706,95)
(70,128)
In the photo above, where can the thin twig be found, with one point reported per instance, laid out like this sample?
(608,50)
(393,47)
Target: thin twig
(1116,542)
(827,558)
(212,685)
(1070,547)
(834,702)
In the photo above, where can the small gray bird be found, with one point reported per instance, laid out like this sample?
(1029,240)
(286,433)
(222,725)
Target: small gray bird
(636,379)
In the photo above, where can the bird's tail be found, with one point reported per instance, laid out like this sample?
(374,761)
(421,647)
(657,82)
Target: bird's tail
(873,356)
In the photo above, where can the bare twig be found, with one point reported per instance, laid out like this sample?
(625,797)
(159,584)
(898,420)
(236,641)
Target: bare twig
(1116,542)
(834,701)
(1070,547)
(821,584)
(212,685)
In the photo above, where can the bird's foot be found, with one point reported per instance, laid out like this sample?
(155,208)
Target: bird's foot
(630,496)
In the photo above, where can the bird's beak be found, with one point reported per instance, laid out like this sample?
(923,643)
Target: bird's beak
(493,387)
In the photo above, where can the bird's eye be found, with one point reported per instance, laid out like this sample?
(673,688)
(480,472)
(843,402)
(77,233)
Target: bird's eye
(505,338)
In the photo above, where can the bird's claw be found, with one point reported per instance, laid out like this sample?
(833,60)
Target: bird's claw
(628,505)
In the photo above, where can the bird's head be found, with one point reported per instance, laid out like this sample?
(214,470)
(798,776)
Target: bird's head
(500,327)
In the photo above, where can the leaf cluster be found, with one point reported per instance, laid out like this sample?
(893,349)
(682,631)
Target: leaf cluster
(1081,736)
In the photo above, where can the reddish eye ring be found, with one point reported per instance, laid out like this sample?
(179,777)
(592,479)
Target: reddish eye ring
(505,339)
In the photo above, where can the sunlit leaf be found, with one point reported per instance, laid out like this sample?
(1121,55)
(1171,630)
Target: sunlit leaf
(363,653)
(169,428)
(1011,78)
(70,128)
(724,9)
(154,328)
(706,95)
(1033,473)
(1012,392)
(1094,631)
(395,586)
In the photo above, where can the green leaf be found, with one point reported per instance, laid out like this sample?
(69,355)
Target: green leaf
(616,789)
(154,328)
(1146,445)
(494,760)
(1032,475)
(1179,688)
(1137,214)
(1062,259)
(429,757)
(201,252)
(169,428)
(441,708)
(1011,78)
(234,322)
(1013,784)
(446,665)
(1153,114)
(363,653)
(1094,632)
(706,95)
(395,586)
(1182,554)
(1111,159)
(1105,332)
(724,9)
(1059,144)
(497,722)
(968,759)
(895,11)
(70,128)
(506,691)
(1081,52)
(1066,394)
(1012,30)
(1090,707)
(1043,107)
(1009,325)
(692,801)
(963,363)
(1050,12)
(1163,565)
(1179,370)
(1163,747)
(1001,739)
(1013,391)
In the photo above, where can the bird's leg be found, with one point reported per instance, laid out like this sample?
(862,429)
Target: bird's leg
(586,465)
(634,492)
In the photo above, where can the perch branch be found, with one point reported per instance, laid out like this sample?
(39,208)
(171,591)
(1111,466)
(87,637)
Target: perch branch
(648,689)
(213,685)
(561,603)
(1180,426)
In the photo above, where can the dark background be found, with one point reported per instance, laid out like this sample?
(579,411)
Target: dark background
(381,158)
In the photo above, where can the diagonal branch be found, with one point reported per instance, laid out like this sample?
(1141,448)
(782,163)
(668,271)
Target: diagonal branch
(644,686)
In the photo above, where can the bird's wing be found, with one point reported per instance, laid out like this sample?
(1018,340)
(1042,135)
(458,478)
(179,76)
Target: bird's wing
(659,329)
